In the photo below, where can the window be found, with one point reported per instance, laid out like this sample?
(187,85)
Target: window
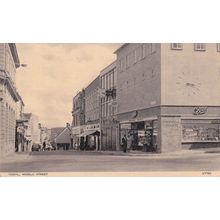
(143,51)
(135,56)
(127,61)
(200,47)
(201,130)
(153,48)
(176,46)
(218,47)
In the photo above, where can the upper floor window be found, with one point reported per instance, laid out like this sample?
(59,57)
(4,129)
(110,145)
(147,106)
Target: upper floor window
(200,47)
(153,48)
(176,46)
(127,61)
(143,51)
(135,56)
(218,47)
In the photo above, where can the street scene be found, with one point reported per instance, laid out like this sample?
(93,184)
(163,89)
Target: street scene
(132,107)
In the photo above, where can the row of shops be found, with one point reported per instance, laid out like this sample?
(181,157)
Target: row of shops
(161,133)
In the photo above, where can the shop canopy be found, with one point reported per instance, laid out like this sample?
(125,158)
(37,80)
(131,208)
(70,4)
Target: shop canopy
(91,132)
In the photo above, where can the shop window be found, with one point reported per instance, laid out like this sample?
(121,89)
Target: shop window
(200,130)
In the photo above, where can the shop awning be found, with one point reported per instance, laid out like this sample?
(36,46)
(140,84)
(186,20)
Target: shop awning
(91,132)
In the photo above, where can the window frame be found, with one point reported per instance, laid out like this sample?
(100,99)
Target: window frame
(199,49)
(179,46)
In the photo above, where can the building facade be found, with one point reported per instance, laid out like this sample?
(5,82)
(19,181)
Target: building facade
(21,142)
(78,114)
(108,107)
(168,95)
(90,138)
(9,61)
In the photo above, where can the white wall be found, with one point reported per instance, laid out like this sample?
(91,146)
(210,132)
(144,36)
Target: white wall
(180,68)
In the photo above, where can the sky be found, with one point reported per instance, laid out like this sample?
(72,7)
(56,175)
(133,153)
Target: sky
(55,73)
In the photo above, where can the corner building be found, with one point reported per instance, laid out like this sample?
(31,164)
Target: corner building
(168,95)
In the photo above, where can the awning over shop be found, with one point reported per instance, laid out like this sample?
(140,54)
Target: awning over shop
(91,132)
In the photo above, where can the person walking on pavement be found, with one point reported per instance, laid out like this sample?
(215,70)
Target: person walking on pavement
(44,146)
(124,143)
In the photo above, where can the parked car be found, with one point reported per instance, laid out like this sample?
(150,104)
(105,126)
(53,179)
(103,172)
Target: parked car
(36,147)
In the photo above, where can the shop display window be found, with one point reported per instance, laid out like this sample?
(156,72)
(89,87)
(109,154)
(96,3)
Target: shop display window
(201,130)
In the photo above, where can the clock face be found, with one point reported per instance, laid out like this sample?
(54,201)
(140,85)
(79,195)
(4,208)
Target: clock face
(189,84)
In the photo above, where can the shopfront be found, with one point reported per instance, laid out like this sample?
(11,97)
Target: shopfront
(200,133)
(143,134)
(90,137)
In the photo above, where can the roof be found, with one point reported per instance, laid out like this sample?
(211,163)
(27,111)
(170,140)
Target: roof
(64,136)
(121,47)
(108,68)
(55,132)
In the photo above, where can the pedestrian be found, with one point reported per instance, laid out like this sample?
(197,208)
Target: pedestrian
(124,143)
(44,146)
(129,142)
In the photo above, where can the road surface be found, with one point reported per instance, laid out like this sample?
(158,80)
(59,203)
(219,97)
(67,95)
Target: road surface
(72,161)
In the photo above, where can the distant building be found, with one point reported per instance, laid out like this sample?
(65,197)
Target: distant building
(9,61)
(78,114)
(63,139)
(54,132)
(78,111)
(91,132)
(44,134)
(33,130)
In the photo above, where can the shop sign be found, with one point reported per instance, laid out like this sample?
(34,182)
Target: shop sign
(200,110)
(92,127)
(126,126)
(141,133)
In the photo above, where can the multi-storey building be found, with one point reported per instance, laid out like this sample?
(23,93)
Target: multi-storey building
(108,107)
(9,61)
(78,114)
(91,130)
(78,111)
(168,95)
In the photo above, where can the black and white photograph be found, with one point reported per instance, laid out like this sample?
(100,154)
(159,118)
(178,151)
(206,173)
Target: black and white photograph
(109,108)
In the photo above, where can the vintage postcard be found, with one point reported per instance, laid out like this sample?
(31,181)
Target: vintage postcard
(130,109)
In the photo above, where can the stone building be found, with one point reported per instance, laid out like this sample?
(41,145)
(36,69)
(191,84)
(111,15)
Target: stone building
(9,61)
(168,95)
(109,107)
